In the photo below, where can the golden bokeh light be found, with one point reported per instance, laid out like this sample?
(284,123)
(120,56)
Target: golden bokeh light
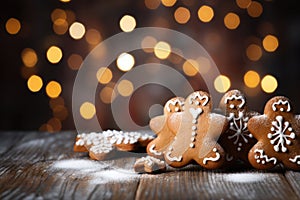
(253,52)
(243,3)
(205,13)
(29,57)
(54,54)
(77,30)
(58,14)
(190,67)
(148,44)
(46,127)
(55,123)
(152,4)
(222,83)
(182,15)
(53,89)
(87,110)
(127,23)
(168,3)
(35,83)
(255,9)
(231,21)
(70,16)
(107,95)
(270,43)
(125,62)
(59,101)
(162,50)
(75,61)
(93,37)
(65,1)
(104,75)
(251,79)
(125,88)
(60,112)
(13,26)
(269,84)
(204,64)
(60,26)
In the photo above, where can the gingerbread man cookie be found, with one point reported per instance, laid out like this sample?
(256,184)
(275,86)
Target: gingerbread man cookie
(158,124)
(278,135)
(197,133)
(237,140)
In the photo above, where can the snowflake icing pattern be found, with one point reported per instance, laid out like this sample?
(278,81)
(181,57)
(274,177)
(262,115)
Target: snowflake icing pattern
(279,135)
(239,126)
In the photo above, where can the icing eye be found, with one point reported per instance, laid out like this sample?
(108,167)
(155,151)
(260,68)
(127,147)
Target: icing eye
(281,109)
(176,109)
(231,105)
(197,103)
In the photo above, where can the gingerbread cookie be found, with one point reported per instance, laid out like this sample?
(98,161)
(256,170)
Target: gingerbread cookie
(84,140)
(237,140)
(158,124)
(197,133)
(102,149)
(278,135)
(149,164)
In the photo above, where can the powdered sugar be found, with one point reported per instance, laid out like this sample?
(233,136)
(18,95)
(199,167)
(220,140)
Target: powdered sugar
(244,177)
(79,164)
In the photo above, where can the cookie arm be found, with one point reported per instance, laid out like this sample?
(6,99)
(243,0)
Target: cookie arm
(218,125)
(174,122)
(157,123)
(255,124)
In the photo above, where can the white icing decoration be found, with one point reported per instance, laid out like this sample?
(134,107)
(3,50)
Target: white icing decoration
(262,158)
(197,94)
(172,159)
(229,157)
(192,145)
(214,159)
(151,149)
(281,102)
(103,147)
(234,97)
(294,160)
(240,127)
(174,102)
(149,161)
(280,136)
(195,112)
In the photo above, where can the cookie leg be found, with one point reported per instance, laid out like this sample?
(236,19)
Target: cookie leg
(260,159)
(292,161)
(177,160)
(214,159)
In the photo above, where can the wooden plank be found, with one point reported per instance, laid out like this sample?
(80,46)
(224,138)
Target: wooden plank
(201,184)
(8,139)
(294,179)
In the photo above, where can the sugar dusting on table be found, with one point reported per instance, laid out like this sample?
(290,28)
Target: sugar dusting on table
(245,177)
(97,172)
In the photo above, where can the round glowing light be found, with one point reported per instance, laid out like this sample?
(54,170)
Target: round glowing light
(182,15)
(58,14)
(77,30)
(55,124)
(93,37)
(148,43)
(13,26)
(34,83)
(270,43)
(29,57)
(127,23)
(104,75)
(168,3)
(152,4)
(60,26)
(54,54)
(107,95)
(75,61)
(190,67)
(65,1)
(87,110)
(254,52)
(231,21)
(255,9)
(222,83)
(162,50)
(243,3)
(204,65)
(125,88)
(251,79)
(53,89)
(205,13)
(269,84)
(60,112)
(125,62)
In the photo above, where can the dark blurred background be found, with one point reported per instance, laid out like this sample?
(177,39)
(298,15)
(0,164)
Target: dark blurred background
(255,44)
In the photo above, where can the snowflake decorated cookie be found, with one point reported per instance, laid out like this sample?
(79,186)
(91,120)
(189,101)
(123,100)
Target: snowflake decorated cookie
(237,140)
(165,136)
(197,131)
(278,135)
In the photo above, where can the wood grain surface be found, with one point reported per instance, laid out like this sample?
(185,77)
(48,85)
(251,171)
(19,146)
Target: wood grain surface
(40,165)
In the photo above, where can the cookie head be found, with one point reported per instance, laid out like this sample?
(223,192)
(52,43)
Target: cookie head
(199,100)
(233,102)
(174,105)
(278,105)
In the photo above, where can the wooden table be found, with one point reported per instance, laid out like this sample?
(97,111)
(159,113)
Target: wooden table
(38,165)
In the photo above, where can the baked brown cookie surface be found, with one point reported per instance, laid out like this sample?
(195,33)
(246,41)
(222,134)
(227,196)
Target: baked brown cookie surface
(278,135)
